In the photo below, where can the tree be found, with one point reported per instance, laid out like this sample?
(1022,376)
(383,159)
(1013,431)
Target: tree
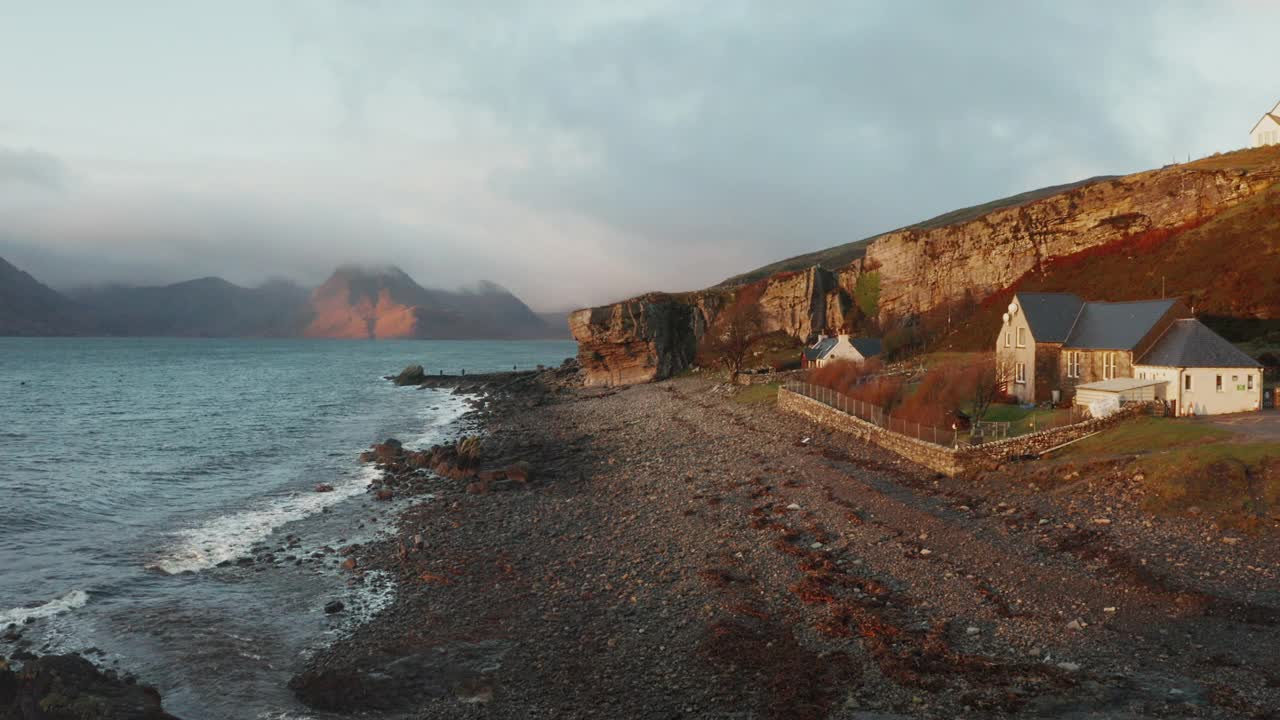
(988,381)
(730,340)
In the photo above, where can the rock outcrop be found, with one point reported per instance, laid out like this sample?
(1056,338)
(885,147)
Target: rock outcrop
(922,270)
(642,339)
(913,271)
(58,687)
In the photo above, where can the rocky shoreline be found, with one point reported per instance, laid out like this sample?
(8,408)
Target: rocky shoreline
(665,551)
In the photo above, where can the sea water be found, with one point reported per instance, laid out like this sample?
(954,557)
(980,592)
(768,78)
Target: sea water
(135,472)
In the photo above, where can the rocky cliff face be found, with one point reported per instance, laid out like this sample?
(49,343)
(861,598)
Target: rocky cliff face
(921,270)
(913,271)
(642,339)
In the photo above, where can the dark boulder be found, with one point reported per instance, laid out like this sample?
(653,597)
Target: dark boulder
(68,687)
(412,375)
(334,606)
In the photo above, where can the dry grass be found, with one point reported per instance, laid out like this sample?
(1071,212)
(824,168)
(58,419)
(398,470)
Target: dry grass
(1186,464)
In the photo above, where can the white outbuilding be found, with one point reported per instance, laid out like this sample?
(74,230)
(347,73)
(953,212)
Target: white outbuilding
(1267,130)
(1206,375)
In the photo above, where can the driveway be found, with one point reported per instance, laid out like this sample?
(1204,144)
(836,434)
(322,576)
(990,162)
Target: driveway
(1264,424)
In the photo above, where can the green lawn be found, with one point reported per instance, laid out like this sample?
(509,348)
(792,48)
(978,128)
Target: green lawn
(1025,420)
(1146,435)
(766,394)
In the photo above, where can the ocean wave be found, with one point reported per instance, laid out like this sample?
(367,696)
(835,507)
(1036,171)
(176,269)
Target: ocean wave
(231,536)
(444,412)
(66,603)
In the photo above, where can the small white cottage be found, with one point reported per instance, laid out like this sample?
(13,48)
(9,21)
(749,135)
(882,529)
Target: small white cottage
(1267,130)
(840,347)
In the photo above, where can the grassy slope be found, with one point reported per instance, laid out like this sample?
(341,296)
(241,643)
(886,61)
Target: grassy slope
(841,255)
(1185,463)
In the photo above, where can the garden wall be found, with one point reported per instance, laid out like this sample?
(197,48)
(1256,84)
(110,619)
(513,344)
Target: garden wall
(939,458)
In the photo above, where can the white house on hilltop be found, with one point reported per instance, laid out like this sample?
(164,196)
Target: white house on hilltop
(1267,130)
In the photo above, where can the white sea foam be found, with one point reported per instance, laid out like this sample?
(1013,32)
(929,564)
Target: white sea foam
(231,536)
(444,411)
(66,603)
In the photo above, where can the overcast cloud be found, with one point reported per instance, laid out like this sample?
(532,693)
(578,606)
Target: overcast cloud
(576,153)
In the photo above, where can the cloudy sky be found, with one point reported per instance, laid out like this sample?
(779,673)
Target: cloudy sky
(576,152)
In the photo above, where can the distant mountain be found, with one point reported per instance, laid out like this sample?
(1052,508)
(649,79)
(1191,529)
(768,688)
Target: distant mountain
(207,307)
(358,302)
(354,302)
(28,307)
(557,325)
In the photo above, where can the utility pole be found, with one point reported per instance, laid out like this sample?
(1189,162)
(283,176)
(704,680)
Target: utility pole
(1161,287)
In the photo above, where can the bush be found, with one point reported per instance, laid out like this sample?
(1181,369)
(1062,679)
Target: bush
(856,381)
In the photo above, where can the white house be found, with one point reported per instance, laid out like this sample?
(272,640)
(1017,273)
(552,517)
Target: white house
(1058,347)
(1267,130)
(1206,375)
(840,347)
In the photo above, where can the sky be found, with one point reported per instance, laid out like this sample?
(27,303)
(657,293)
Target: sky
(576,152)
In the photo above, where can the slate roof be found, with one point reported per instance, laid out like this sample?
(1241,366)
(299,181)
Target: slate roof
(869,347)
(821,348)
(1188,343)
(1050,315)
(1115,326)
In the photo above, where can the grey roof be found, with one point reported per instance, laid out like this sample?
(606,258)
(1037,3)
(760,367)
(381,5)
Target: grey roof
(1050,315)
(821,348)
(1188,343)
(1115,326)
(868,346)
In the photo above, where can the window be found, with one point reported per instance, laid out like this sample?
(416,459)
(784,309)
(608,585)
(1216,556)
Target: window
(1250,379)
(1142,376)
(1219,383)
(1008,339)
(1186,382)
(1020,375)
(1108,366)
(1073,364)
(1022,337)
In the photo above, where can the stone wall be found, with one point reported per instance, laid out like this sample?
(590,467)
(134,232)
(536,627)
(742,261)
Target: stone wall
(945,460)
(935,457)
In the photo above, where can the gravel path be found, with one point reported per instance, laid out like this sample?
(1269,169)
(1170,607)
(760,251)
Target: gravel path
(677,554)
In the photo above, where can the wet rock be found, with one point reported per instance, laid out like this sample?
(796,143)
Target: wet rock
(324,487)
(412,375)
(349,564)
(55,687)
(519,471)
(334,606)
(384,495)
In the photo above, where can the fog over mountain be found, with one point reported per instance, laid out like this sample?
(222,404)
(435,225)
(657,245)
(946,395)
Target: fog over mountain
(356,302)
(575,152)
